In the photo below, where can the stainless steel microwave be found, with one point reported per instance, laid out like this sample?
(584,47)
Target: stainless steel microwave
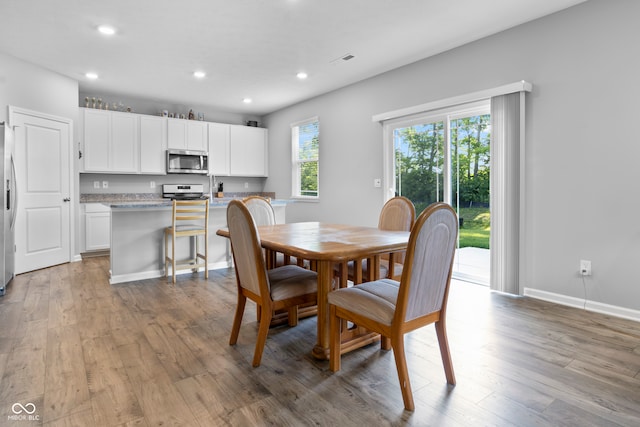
(187,161)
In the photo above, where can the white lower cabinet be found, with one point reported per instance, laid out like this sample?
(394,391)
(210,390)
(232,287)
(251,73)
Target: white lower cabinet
(97,227)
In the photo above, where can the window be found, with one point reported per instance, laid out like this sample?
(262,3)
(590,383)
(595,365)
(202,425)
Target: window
(305,141)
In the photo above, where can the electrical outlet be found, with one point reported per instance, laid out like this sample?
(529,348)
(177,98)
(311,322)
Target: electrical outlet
(105,184)
(377,183)
(152,184)
(246,185)
(585,267)
(96,184)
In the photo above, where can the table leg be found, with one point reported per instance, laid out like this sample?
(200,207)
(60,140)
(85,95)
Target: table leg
(325,278)
(270,259)
(357,271)
(351,338)
(374,268)
(358,336)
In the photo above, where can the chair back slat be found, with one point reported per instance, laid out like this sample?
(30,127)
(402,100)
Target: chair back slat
(245,245)
(427,269)
(196,212)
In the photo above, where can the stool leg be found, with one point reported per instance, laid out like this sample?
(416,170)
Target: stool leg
(206,256)
(195,258)
(173,257)
(166,254)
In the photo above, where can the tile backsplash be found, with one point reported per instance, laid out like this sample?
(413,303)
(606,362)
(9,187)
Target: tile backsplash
(152,184)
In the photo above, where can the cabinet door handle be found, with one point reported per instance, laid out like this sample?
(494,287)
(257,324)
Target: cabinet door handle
(66,199)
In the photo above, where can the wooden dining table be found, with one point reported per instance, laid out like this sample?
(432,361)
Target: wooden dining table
(326,246)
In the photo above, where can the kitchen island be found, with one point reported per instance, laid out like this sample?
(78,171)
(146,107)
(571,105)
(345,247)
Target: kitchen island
(137,238)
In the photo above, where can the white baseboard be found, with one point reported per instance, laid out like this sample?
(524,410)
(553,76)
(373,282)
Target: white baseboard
(152,274)
(598,307)
(122,278)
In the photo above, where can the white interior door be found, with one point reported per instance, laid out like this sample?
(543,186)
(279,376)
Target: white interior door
(42,147)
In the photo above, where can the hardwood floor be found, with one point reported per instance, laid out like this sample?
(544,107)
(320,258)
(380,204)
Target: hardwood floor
(148,353)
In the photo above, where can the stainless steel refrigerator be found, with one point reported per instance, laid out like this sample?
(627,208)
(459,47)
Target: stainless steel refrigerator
(9,205)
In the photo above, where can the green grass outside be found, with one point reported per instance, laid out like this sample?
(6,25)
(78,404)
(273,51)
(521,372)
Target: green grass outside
(476,227)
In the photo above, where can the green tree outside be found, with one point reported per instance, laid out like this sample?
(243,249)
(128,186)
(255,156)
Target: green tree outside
(308,147)
(419,152)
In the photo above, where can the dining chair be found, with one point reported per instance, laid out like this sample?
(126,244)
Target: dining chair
(263,214)
(284,287)
(393,308)
(397,214)
(260,209)
(189,218)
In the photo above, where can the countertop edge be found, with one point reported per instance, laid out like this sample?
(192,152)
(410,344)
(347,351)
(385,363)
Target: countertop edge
(216,204)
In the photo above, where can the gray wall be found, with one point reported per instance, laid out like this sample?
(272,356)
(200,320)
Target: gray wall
(29,86)
(582,144)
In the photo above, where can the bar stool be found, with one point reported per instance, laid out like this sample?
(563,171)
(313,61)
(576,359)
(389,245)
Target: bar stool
(190,218)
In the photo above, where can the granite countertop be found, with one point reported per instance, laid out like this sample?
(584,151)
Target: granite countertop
(154,200)
(107,198)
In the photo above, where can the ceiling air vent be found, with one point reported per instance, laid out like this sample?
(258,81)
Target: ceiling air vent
(342,58)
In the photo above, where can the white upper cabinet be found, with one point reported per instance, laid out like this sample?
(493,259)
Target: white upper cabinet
(187,135)
(248,151)
(219,134)
(124,142)
(110,141)
(96,135)
(153,145)
(117,142)
(197,136)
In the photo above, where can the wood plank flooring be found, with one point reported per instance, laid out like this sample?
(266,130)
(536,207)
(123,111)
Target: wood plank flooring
(148,353)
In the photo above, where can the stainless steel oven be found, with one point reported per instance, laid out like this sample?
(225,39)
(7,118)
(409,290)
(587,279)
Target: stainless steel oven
(183,191)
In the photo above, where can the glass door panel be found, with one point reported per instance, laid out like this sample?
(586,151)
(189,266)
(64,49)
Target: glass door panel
(419,163)
(446,157)
(469,141)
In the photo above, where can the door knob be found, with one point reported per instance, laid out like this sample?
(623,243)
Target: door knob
(66,199)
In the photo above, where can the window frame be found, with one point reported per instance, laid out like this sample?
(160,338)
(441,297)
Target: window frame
(296,163)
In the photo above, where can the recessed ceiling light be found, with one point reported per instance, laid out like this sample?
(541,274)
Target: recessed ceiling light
(247,100)
(91,76)
(107,30)
(199,74)
(302,75)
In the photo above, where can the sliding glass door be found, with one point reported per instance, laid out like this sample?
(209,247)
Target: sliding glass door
(444,156)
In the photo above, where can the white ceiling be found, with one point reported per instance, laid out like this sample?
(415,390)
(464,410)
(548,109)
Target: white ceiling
(248,48)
